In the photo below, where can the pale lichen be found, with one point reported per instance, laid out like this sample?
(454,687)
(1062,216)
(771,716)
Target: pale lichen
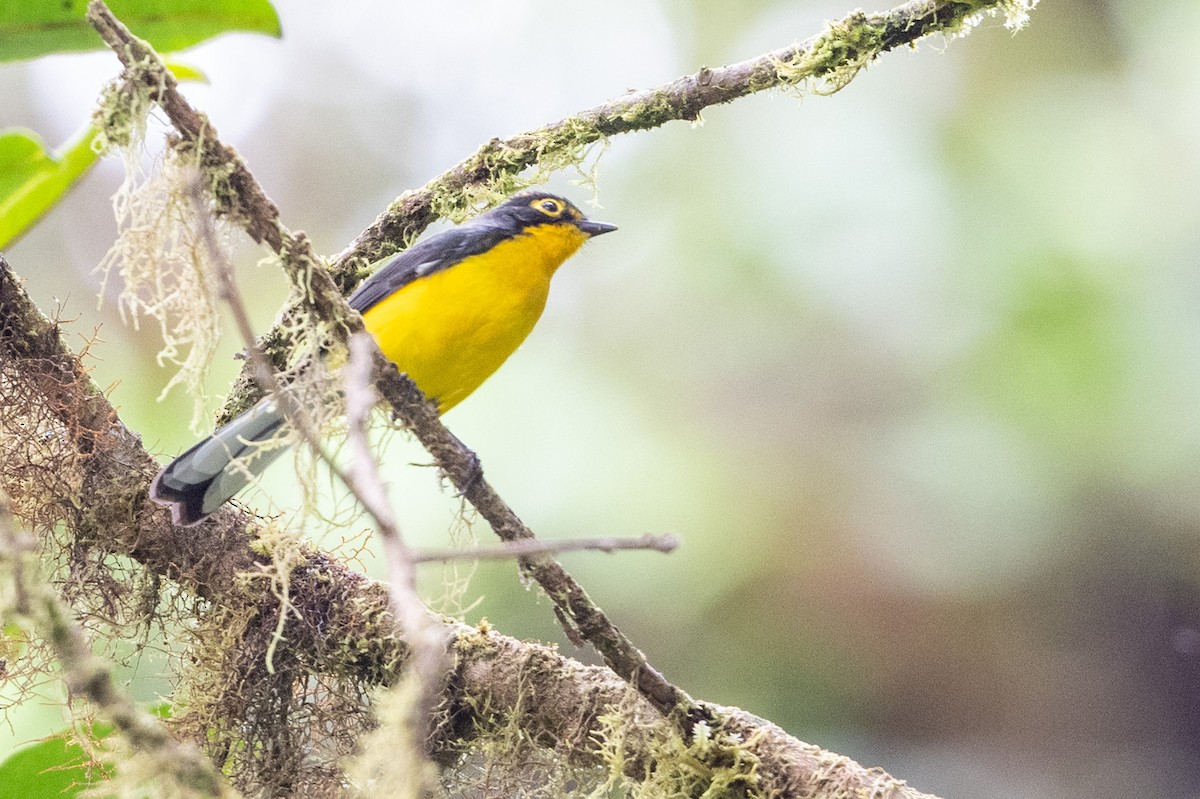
(162,263)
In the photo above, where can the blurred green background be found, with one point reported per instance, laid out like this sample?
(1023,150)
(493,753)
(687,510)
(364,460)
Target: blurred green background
(910,369)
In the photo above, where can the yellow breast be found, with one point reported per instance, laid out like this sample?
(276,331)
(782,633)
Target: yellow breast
(452,329)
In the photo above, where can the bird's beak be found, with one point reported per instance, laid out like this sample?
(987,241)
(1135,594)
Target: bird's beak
(595,228)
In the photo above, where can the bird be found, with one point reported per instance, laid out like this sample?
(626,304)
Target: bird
(448,311)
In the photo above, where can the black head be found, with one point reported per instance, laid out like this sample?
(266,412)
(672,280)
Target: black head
(533,208)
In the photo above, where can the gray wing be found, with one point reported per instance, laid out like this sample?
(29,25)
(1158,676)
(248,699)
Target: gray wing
(431,255)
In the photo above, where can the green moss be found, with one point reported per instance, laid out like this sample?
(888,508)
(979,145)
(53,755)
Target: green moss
(501,168)
(713,764)
(657,106)
(847,46)
(121,115)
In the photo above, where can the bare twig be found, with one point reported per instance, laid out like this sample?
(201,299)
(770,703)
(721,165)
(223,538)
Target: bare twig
(227,290)
(360,401)
(427,637)
(264,371)
(519,549)
(579,616)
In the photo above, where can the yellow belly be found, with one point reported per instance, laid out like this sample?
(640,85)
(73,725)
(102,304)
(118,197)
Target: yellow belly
(449,331)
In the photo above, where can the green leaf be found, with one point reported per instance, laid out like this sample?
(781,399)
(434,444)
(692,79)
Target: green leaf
(33,180)
(31,28)
(56,767)
(184,71)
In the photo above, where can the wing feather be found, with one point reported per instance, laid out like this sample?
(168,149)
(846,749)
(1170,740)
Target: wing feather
(424,258)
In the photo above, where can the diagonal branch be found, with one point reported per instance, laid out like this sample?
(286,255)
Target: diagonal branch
(494,674)
(178,763)
(834,56)
(580,617)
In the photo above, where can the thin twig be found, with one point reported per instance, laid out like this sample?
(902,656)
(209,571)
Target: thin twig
(264,371)
(427,637)
(360,401)
(227,290)
(581,619)
(520,549)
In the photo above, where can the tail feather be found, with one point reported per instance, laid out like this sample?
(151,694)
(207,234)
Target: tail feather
(202,479)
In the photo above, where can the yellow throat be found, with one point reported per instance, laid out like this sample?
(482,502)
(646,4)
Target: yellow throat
(452,329)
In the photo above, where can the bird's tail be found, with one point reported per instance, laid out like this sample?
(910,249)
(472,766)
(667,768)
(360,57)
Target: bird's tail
(202,479)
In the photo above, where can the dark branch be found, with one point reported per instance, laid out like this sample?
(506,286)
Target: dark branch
(580,617)
(494,674)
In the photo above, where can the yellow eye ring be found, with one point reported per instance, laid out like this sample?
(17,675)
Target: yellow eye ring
(548,206)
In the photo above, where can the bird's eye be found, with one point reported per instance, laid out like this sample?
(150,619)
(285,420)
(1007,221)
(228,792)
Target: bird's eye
(548,206)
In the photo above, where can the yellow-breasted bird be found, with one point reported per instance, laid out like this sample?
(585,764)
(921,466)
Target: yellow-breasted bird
(448,311)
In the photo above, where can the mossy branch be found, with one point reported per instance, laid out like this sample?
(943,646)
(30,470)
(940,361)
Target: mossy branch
(32,598)
(340,621)
(835,56)
(831,58)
